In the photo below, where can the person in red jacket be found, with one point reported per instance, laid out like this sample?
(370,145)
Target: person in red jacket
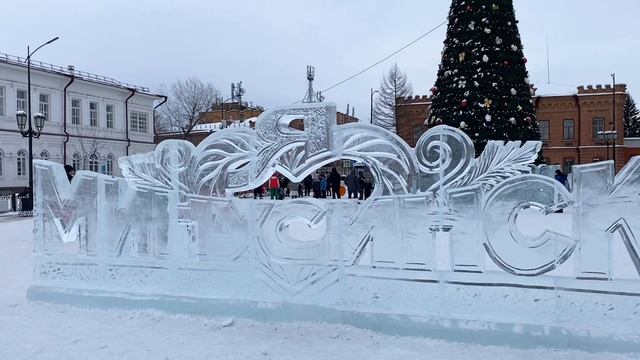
(274,186)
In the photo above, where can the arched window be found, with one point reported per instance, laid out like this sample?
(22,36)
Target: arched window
(75,162)
(93,162)
(21,163)
(44,155)
(1,161)
(110,159)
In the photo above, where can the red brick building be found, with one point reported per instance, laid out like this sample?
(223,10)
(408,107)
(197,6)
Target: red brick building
(569,125)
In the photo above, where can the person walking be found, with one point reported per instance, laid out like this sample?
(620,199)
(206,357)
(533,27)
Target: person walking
(323,187)
(274,186)
(334,182)
(353,185)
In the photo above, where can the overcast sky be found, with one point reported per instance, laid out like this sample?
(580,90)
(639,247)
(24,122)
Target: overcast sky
(267,44)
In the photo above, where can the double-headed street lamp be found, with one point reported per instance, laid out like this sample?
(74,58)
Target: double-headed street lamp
(24,118)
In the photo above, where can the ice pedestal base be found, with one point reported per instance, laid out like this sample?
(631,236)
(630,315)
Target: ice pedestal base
(482,313)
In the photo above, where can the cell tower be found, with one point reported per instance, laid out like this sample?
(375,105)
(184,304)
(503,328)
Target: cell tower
(311,95)
(237,91)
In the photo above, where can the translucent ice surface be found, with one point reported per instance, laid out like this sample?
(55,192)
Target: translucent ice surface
(443,234)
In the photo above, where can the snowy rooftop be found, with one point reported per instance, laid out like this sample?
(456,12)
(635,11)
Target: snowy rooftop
(555,89)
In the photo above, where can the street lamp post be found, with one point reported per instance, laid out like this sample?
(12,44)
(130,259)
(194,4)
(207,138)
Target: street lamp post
(613,101)
(371,103)
(23,118)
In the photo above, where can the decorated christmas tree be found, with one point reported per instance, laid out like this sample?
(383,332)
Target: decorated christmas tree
(482,85)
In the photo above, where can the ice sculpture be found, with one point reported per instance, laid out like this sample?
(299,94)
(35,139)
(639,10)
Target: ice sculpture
(444,234)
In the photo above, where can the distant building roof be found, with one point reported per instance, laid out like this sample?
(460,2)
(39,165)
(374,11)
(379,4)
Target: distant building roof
(70,71)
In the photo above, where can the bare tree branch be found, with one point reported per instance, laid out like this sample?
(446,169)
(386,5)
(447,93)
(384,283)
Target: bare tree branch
(394,84)
(187,100)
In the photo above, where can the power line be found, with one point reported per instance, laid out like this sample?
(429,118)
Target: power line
(383,59)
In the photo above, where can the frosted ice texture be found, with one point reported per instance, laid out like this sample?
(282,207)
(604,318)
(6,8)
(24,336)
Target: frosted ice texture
(173,226)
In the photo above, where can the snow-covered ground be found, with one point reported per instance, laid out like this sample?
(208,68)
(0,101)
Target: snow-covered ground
(32,330)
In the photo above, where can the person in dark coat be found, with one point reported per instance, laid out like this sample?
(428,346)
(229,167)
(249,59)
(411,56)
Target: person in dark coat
(334,182)
(353,185)
(71,172)
(361,183)
(316,189)
(308,184)
(368,187)
(561,178)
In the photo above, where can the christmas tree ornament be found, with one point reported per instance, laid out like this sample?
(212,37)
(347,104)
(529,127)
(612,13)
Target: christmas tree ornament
(492,65)
(463,125)
(524,60)
(528,119)
(434,90)
(438,121)
(512,120)
(468,7)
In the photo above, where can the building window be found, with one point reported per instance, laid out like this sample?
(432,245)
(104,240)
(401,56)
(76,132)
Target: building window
(2,101)
(93,113)
(110,111)
(44,155)
(138,121)
(44,105)
(110,159)
(543,125)
(21,163)
(75,161)
(21,100)
(93,162)
(568,129)
(568,163)
(598,126)
(76,111)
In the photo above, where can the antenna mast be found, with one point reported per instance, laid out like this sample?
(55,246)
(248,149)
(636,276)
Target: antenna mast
(312,96)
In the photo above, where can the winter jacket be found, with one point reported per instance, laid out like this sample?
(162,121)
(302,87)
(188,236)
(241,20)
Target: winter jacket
(274,182)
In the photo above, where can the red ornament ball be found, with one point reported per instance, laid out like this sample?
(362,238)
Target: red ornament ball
(524,60)
(463,103)
(507,62)
(528,119)
(434,90)
(468,7)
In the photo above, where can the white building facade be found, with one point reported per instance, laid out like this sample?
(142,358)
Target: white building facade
(91,120)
